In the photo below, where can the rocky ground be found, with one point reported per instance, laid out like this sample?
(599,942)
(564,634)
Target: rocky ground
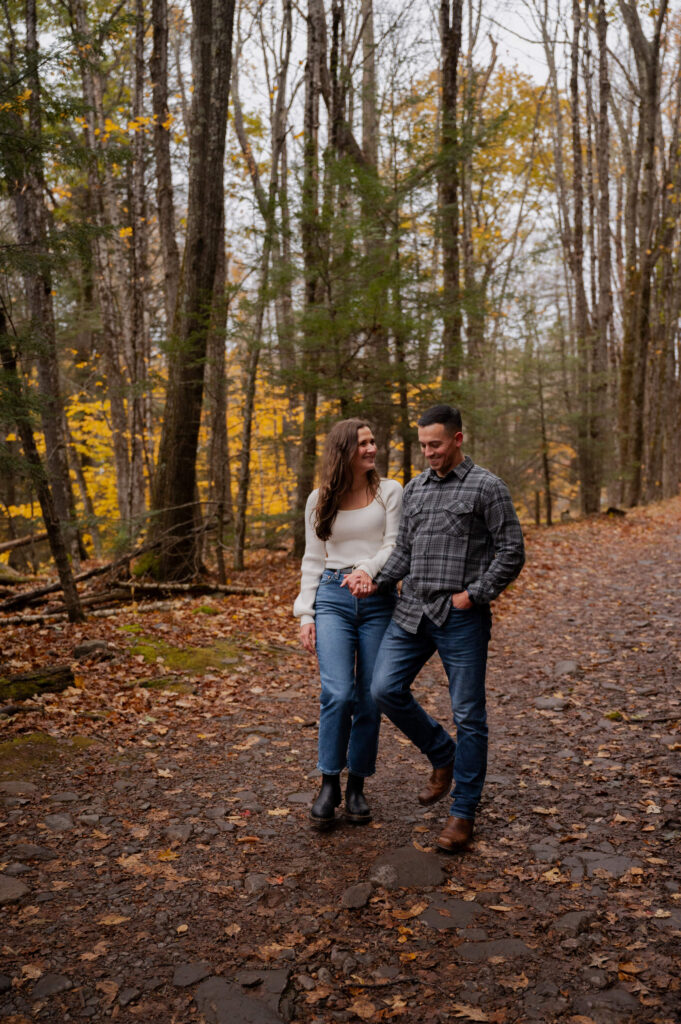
(156,862)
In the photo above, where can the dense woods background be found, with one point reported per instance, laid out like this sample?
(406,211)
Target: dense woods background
(224,225)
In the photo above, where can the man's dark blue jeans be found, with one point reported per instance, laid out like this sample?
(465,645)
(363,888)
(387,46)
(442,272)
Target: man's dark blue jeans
(462,643)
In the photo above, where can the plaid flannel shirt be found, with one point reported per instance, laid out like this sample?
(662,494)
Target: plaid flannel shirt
(458,532)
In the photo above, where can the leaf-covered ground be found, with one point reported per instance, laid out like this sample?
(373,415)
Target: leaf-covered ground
(156,862)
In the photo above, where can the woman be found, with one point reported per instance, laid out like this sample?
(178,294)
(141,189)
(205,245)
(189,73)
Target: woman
(350,528)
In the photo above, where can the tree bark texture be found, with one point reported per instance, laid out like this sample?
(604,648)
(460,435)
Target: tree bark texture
(174,501)
(13,385)
(451,14)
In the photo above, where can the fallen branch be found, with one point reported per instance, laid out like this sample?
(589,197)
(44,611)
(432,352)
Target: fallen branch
(20,542)
(33,596)
(99,613)
(198,587)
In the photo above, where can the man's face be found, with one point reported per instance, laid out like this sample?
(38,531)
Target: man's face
(442,450)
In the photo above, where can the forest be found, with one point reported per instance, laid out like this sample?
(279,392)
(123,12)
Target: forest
(225,225)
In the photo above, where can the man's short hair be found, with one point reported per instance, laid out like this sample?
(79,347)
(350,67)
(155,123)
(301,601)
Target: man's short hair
(447,415)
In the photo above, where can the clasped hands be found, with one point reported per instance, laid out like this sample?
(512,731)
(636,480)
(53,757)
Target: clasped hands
(359,583)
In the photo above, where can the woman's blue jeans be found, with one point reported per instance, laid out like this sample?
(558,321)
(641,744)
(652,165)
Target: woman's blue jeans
(462,643)
(349,633)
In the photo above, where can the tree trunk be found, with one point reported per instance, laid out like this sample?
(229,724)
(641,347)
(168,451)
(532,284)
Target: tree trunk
(309,239)
(641,254)
(589,483)
(164,176)
(175,481)
(39,479)
(32,230)
(451,14)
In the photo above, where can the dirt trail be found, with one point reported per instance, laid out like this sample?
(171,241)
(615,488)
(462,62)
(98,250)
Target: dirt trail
(156,863)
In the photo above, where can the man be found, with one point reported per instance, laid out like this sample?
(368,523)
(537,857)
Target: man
(459,545)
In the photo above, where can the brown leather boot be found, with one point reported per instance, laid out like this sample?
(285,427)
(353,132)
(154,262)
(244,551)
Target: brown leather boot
(438,784)
(457,834)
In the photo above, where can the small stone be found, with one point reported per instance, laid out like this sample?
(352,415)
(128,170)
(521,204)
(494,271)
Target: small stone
(255,882)
(573,923)
(565,668)
(18,788)
(324,976)
(220,1002)
(11,890)
(16,868)
(300,798)
(6,983)
(67,797)
(190,974)
(88,819)
(405,867)
(594,978)
(444,914)
(127,996)
(28,851)
(551,704)
(610,1006)
(357,895)
(89,647)
(178,833)
(477,952)
(51,985)
(59,822)
(304,980)
(218,811)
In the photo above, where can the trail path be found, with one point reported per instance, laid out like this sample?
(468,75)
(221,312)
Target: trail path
(156,862)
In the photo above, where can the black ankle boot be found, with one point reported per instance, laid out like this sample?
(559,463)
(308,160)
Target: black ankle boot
(322,811)
(357,810)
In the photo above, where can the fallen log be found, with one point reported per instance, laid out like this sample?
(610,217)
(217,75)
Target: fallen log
(97,613)
(29,684)
(197,587)
(34,596)
(20,542)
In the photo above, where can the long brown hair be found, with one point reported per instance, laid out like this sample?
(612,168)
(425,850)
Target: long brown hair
(336,478)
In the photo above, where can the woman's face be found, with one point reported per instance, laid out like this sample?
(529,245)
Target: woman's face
(364,459)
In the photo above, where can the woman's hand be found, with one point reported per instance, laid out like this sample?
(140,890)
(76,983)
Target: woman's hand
(359,583)
(308,637)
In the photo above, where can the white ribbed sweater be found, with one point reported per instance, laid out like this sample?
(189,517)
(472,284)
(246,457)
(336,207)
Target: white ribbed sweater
(361,537)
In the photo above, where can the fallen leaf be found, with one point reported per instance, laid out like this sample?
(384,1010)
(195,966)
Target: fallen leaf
(32,972)
(232,929)
(415,911)
(182,928)
(629,967)
(167,855)
(321,992)
(110,990)
(164,773)
(363,1008)
(279,812)
(113,919)
(469,1012)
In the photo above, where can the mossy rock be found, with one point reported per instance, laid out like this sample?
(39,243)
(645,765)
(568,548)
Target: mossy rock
(30,752)
(188,659)
(168,683)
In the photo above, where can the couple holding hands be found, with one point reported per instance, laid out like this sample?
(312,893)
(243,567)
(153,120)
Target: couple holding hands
(453,538)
